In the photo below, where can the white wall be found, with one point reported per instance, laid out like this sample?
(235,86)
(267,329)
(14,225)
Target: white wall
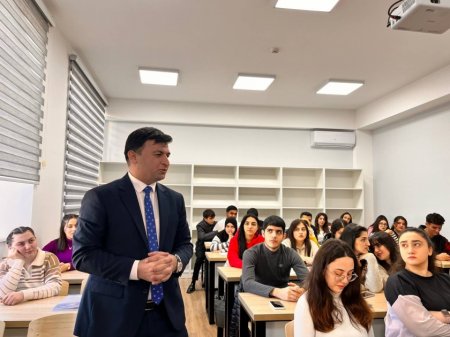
(411,167)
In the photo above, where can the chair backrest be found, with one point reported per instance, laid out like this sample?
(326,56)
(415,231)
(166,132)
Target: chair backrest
(57,325)
(289,329)
(64,288)
(2,328)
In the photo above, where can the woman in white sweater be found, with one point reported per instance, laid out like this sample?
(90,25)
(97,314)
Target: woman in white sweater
(357,237)
(298,239)
(333,305)
(383,246)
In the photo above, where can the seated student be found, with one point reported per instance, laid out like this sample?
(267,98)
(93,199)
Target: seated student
(383,246)
(322,226)
(246,237)
(347,218)
(312,230)
(231,211)
(333,305)
(62,247)
(433,227)
(380,224)
(27,273)
(336,229)
(222,240)
(357,238)
(266,267)
(399,225)
(255,212)
(418,297)
(298,239)
(205,232)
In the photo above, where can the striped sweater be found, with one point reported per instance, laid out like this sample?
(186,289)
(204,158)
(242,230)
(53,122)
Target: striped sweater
(41,279)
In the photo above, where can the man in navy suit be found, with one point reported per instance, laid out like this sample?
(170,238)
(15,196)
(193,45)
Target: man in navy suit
(111,245)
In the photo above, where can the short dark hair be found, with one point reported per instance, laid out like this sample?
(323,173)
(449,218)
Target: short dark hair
(231,208)
(138,137)
(306,213)
(208,213)
(274,220)
(435,218)
(18,230)
(253,211)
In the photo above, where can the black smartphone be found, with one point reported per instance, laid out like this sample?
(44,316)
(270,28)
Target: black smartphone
(277,305)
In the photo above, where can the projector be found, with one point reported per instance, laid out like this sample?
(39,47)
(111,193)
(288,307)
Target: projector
(428,16)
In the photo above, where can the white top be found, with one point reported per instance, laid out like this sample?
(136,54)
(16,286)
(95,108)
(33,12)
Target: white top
(304,327)
(374,279)
(302,252)
(220,225)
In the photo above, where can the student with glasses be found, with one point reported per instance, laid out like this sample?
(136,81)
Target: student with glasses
(333,304)
(62,246)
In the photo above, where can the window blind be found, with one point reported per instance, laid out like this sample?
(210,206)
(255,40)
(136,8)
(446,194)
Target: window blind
(84,138)
(23,48)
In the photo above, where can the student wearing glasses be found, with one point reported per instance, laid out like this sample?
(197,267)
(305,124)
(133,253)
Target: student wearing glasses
(418,297)
(62,246)
(333,305)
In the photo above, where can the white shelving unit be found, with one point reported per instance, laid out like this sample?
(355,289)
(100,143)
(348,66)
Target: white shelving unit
(281,191)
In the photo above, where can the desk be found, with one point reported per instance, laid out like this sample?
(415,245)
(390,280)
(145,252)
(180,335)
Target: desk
(257,309)
(207,245)
(442,264)
(228,278)
(20,315)
(212,258)
(74,276)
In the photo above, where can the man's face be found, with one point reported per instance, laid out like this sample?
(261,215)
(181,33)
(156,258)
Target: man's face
(432,229)
(150,163)
(273,236)
(232,214)
(210,220)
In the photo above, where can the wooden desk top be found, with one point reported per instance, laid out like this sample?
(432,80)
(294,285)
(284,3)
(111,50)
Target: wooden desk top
(230,274)
(20,315)
(216,257)
(259,309)
(207,244)
(442,264)
(74,276)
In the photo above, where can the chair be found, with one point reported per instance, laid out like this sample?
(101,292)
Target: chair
(289,329)
(2,328)
(64,288)
(57,325)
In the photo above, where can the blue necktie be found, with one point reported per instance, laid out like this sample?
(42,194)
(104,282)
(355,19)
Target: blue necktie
(157,290)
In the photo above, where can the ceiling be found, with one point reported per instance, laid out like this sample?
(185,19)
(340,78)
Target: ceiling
(211,41)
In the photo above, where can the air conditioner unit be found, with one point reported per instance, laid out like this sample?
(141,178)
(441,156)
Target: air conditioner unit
(333,139)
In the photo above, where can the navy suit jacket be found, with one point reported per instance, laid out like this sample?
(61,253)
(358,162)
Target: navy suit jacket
(109,238)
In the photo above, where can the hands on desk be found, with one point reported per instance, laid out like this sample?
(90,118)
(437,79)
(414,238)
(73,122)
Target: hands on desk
(13,298)
(291,293)
(443,257)
(157,267)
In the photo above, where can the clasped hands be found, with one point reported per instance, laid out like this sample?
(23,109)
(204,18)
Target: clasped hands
(157,267)
(291,293)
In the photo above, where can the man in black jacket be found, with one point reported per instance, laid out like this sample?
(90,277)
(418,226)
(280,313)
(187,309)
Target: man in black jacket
(205,232)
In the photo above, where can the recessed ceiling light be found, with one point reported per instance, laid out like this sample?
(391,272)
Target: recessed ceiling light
(308,5)
(253,82)
(158,76)
(337,87)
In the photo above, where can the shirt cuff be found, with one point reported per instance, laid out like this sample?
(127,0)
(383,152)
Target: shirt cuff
(134,271)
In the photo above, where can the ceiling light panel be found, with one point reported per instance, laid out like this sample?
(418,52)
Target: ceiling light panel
(307,5)
(336,87)
(253,82)
(158,76)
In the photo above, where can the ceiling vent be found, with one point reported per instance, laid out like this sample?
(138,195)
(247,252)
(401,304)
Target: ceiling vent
(333,139)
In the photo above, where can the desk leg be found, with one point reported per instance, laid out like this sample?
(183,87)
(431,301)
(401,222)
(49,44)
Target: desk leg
(206,284)
(259,329)
(210,291)
(243,322)
(229,303)
(220,331)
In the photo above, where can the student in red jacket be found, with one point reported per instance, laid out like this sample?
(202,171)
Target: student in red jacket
(248,236)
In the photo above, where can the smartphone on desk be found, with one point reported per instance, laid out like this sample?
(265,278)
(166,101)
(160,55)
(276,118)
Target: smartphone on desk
(277,305)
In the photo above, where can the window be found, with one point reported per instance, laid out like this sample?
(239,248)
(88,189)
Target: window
(23,50)
(84,138)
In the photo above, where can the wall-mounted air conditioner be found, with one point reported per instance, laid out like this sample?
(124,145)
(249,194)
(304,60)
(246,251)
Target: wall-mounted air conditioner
(333,139)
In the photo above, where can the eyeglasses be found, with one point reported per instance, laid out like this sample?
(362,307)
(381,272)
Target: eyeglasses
(350,278)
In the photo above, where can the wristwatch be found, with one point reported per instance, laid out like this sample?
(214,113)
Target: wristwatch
(180,265)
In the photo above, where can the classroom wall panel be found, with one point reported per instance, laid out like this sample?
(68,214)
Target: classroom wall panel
(411,168)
